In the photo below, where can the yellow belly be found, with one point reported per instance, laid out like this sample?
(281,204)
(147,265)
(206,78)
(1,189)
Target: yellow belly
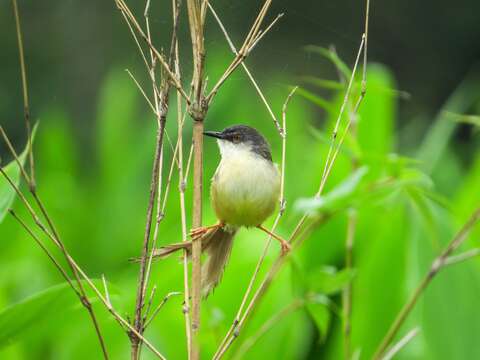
(245,190)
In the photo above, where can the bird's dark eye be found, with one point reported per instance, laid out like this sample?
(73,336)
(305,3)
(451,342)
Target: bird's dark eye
(236,138)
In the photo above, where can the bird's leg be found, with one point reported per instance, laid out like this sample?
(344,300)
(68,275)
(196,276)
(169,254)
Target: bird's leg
(200,231)
(284,243)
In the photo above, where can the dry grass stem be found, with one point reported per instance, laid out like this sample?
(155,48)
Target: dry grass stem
(198,110)
(138,322)
(436,266)
(245,68)
(15,155)
(401,344)
(46,251)
(54,236)
(335,147)
(267,325)
(467,255)
(154,110)
(245,49)
(183,215)
(159,307)
(105,288)
(26,105)
(122,6)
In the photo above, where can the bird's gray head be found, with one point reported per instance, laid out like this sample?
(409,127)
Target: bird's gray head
(241,137)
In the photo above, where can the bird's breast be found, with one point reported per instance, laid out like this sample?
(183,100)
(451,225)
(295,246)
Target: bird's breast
(245,189)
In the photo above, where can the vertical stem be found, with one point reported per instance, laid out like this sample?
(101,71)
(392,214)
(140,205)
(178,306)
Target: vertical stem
(347,292)
(26,106)
(197,112)
(138,321)
(181,186)
(196,222)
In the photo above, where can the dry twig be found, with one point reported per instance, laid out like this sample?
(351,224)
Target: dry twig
(437,265)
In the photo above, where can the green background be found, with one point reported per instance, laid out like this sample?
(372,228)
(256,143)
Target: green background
(94,148)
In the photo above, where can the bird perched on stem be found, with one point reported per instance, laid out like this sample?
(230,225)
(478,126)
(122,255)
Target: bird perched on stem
(244,192)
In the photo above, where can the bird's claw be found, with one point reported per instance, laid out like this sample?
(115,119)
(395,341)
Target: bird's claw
(201,231)
(198,232)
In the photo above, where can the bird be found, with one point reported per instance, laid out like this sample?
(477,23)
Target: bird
(244,192)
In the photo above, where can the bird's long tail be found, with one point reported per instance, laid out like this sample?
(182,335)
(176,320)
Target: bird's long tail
(219,249)
(217,243)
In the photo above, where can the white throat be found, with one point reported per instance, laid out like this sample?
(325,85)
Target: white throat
(230,150)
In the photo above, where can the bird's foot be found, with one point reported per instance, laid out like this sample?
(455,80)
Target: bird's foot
(201,231)
(286,247)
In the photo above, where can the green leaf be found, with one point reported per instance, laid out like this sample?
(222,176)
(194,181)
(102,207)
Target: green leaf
(317,100)
(30,313)
(377,115)
(323,83)
(372,88)
(328,281)
(333,57)
(435,143)
(7,193)
(318,309)
(337,198)
(467,119)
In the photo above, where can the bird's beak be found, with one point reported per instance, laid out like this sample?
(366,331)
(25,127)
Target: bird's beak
(215,134)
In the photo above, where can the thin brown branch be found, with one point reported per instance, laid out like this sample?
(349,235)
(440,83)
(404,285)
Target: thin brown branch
(155,111)
(245,68)
(15,155)
(54,237)
(46,251)
(125,324)
(160,306)
(261,34)
(149,304)
(138,321)
(267,325)
(122,6)
(183,215)
(198,110)
(189,163)
(197,222)
(436,266)
(26,105)
(245,49)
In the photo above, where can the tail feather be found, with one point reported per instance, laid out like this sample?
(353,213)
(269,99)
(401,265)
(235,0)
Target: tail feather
(217,243)
(219,249)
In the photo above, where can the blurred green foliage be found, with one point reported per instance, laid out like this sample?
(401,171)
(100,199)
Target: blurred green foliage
(99,204)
